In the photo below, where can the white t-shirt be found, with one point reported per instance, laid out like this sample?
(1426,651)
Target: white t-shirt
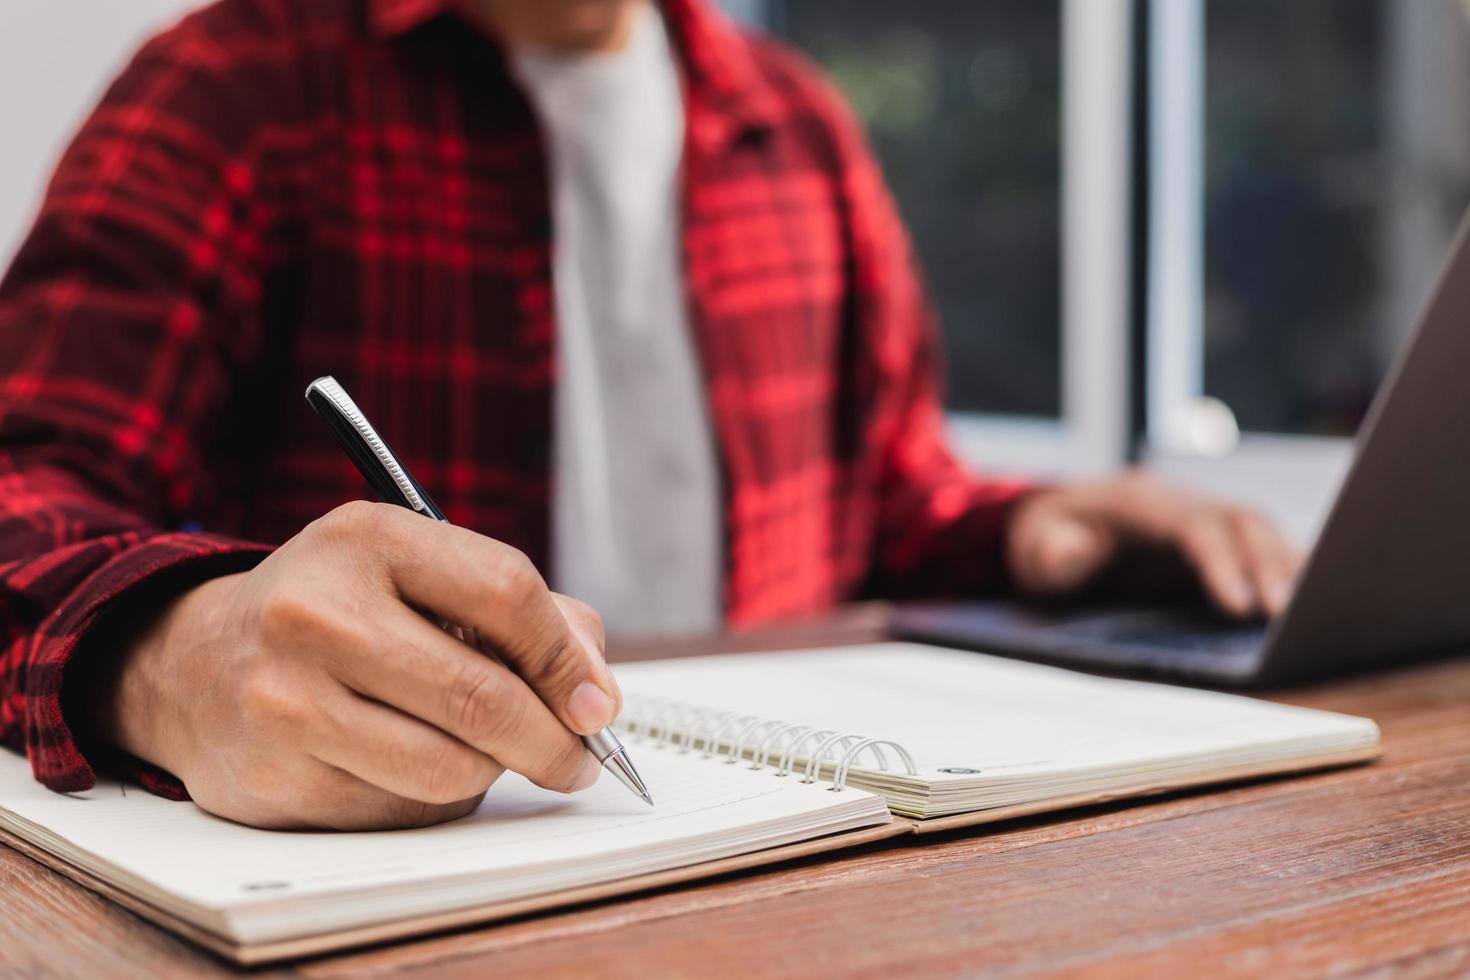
(636,506)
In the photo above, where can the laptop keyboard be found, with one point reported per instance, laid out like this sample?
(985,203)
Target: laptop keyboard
(1149,636)
(1172,630)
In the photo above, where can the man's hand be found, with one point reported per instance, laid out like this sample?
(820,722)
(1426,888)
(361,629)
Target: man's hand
(317,690)
(1062,539)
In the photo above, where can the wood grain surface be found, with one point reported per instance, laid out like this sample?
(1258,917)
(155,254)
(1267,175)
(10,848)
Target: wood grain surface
(1362,871)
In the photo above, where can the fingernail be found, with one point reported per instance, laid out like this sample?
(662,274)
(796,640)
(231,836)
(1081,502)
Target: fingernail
(591,769)
(590,708)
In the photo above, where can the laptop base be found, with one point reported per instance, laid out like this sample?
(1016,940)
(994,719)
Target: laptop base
(1189,642)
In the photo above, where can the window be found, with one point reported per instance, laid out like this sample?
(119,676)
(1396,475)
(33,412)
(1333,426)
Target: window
(1002,127)
(1309,163)
(962,102)
(1325,163)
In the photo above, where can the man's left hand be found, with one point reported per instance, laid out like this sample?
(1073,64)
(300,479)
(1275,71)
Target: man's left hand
(1062,539)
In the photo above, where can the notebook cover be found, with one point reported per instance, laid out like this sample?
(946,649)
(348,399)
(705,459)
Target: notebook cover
(253,954)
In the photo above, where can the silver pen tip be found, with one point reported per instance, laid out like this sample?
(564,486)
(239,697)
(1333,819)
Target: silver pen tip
(622,767)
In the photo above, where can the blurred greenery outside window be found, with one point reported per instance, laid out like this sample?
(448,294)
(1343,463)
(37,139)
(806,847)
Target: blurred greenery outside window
(962,103)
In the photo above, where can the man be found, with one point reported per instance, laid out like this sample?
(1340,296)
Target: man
(619,245)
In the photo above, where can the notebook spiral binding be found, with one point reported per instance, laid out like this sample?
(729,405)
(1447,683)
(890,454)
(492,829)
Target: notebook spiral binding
(734,737)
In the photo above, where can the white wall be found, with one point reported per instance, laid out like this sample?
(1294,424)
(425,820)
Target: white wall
(56,58)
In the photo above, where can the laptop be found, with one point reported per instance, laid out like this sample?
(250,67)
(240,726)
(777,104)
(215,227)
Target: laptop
(1387,581)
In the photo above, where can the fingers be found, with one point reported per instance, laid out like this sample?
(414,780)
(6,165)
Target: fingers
(584,619)
(399,754)
(338,800)
(1245,564)
(428,674)
(349,803)
(472,580)
(300,792)
(587,625)
(1272,561)
(1213,548)
(1061,539)
(1246,567)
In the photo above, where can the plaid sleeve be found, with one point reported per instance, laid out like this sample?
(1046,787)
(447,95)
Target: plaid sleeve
(122,320)
(940,526)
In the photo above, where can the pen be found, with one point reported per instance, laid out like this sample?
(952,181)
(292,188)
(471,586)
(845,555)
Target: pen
(396,485)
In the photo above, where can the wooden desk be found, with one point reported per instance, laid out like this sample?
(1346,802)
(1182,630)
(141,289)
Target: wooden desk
(1341,872)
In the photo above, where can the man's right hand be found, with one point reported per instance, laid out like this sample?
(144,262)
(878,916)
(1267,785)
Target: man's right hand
(317,691)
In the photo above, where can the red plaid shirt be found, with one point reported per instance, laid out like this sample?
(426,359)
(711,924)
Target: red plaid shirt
(279,189)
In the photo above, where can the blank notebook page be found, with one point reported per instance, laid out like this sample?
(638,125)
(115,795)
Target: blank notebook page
(1007,722)
(523,840)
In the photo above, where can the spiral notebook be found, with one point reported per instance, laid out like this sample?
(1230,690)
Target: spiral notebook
(753,759)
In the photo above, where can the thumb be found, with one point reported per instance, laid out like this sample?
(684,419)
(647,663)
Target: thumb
(1065,554)
(587,627)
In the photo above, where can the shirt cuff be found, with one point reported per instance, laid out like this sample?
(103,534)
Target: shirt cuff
(954,541)
(62,755)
